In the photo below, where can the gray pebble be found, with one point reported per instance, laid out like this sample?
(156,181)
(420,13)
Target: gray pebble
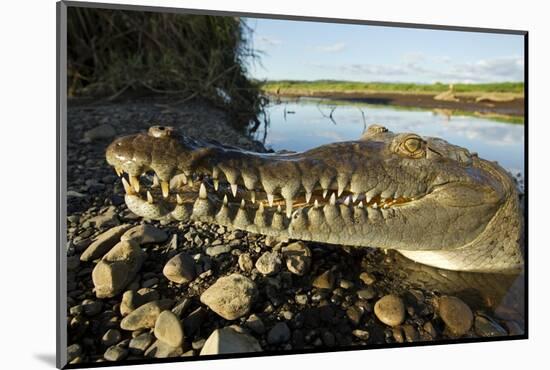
(111,336)
(115,353)
(278,334)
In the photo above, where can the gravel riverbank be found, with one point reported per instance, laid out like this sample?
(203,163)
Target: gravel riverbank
(143,289)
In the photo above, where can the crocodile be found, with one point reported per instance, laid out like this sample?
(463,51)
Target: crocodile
(434,202)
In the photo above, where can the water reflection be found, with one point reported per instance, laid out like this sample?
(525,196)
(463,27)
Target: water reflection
(314,123)
(498,293)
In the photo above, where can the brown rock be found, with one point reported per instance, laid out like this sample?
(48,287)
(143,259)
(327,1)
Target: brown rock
(117,269)
(145,316)
(230,297)
(390,310)
(456,314)
(180,269)
(103,243)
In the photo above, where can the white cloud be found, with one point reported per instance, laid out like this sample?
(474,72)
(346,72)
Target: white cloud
(417,67)
(333,48)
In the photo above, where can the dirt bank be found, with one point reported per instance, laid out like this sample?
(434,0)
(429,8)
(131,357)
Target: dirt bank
(466,102)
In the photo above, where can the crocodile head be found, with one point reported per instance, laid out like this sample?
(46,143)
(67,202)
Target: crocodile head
(435,202)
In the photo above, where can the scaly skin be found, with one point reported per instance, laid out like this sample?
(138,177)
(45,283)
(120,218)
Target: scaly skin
(434,202)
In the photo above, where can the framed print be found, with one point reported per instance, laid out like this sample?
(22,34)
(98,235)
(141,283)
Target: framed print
(236,185)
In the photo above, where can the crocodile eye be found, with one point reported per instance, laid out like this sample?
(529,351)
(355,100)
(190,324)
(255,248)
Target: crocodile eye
(413,146)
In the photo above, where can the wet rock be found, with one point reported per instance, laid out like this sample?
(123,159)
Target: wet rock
(390,310)
(278,334)
(397,333)
(324,281)
(301,299)
(73,351)
(140,343)
(111,336)
(354,315)
(367,293)
(115,353)
(298,258)
(245,262)
(367,278)
(145,234)
(145,316)
(117,269)
(160,349)
(361,334)
(411,335)
(269,263)
(101,132)
(91,307)
(230,297)
(168,329)
(486,327)
(456,315)
(103,243)
(230,339)
(430,329)
(180,269)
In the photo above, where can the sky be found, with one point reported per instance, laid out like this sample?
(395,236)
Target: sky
(299,50)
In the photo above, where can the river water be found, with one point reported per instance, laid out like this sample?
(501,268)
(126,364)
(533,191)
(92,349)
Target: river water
(305,123)
(302,124)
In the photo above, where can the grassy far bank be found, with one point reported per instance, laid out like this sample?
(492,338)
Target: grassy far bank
(306,88)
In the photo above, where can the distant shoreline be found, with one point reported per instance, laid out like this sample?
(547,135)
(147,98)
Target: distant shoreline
(482,100)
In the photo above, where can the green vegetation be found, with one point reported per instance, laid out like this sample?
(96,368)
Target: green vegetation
(115,52)
(331,86)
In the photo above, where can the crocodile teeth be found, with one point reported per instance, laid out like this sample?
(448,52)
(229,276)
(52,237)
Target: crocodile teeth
(165,188)
(360,204)
(242,203)
(202,192)
(355,197)
(127,188)
(261,207)
(225,200)
(370,194)
(156,182)
(375,205)
(234,189)
(332,199)
(150,199)
(216,184)
(347,200)
(288,208)
(308,196)
(270,199)
(178,199)
(253,197)
(279,209)
(325,192)
(134,181)
(215,172)
(119,171)
(316,203)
